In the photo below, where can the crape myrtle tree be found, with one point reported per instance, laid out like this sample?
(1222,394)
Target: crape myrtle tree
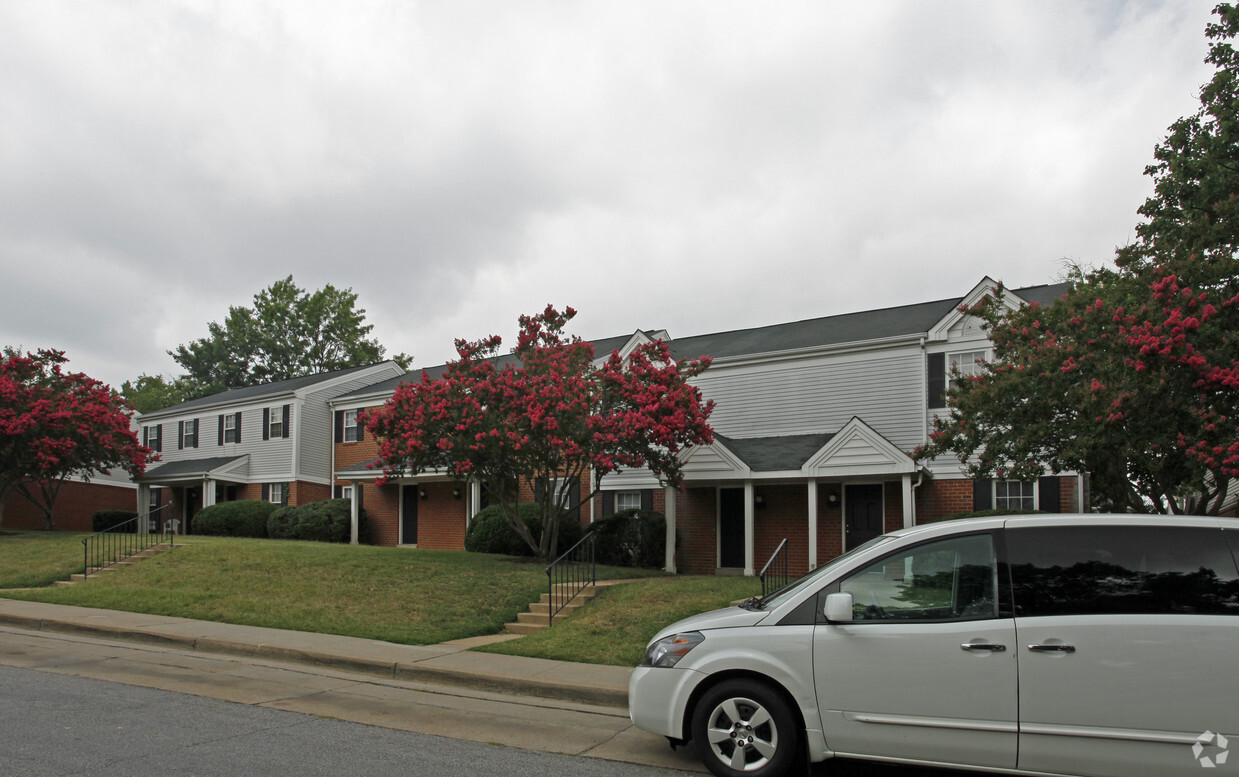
(1132,377)
(286,334)
(55,425)
(546,416)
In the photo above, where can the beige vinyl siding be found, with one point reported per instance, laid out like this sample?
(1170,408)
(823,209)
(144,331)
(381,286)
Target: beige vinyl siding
(822,394)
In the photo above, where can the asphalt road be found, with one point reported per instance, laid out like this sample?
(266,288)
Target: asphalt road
(72,705)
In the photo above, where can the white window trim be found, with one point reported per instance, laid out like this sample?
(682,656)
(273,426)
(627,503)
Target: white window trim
(275,422)
(230,428)
(627,495)
(191,433)
(955,360)
(351,426)
(1031,484)
(275,493)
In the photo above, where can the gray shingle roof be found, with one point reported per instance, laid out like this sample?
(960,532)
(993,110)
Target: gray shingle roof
(906,320)
(249,393)
(188,467)
(775,454)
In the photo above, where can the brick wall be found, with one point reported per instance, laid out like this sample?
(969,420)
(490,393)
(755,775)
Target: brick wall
(441,517)
(382,506)
(696,515)
(936,499)
(74,506)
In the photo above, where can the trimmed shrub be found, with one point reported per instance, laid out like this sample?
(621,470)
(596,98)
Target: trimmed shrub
(245,518)
(632,538)
(102,520)
(489,531)
(325,521)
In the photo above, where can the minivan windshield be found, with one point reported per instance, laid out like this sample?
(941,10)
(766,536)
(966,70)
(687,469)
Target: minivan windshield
(775,598)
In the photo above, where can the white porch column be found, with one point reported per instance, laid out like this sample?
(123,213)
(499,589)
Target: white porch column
(208,492)
(670,493)
(475,500)
(749,533)
(144,508)
(354,514)
(909,504)
(812,524)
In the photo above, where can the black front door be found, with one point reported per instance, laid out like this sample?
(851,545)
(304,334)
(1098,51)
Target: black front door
(408,516)
(864,514)
(731,528)
(193,503)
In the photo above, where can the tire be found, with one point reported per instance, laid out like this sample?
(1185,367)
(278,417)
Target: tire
(744,728)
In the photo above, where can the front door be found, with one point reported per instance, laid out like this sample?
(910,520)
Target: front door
(193,503)
(731,528)
(408,515)
(863,504)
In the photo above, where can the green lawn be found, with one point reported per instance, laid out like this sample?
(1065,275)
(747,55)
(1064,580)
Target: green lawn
(396,594)
(35,558)
(618,624)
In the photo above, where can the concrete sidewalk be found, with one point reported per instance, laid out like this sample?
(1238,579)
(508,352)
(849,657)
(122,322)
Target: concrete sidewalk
(450,663)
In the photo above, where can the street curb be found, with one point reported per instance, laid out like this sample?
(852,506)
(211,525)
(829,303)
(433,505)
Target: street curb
(413,671)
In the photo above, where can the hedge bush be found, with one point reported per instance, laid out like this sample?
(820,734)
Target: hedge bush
(632,538)
(102,520)
(327,521)
(489,531)
(244,518)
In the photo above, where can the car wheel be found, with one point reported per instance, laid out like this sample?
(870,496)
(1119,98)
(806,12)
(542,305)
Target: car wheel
(743,727)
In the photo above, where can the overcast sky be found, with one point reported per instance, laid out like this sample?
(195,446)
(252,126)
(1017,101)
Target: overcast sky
(696,167)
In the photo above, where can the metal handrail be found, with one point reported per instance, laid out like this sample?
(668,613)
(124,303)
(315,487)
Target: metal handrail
(571,573)
(103,549)
(778,574)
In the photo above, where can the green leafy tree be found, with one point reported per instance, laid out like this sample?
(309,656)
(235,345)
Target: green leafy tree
(1133,377)
(286,334)
(148,393)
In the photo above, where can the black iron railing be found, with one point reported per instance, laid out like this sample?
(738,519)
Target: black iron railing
(105,548)
(571,573)
(774,574)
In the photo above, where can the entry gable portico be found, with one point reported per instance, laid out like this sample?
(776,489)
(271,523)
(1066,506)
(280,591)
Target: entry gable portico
(857,450)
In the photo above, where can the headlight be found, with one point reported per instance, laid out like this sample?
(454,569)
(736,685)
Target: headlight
(669,650)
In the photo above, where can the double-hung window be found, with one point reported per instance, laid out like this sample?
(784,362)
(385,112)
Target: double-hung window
(1015,495)
(190,439)
(276,422)
(627,500)
(352,431)
(230,427)
(276,493)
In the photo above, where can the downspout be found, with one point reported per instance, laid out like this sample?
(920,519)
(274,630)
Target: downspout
(920,478)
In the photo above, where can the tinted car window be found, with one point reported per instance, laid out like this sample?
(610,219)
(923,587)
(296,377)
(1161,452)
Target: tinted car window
(1081,570)
(951,579)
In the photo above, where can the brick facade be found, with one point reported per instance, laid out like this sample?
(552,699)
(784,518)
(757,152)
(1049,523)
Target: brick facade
(74,506)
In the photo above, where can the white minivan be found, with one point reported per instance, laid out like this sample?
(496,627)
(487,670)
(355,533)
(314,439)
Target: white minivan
(1048,645)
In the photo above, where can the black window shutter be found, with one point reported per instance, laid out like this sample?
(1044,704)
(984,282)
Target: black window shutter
(539,487)
(357,489)
(574,499)
(221,429)
(266,491)
(937,379)
(180,435)
(237,426)
(361,431)
(266,423)
(608,503)
(337,492)
(286,408)
(284,496)
(1048,495)
(146,436)
(982,495)
(647,500)
(159,437)
(197,430)
(339,426)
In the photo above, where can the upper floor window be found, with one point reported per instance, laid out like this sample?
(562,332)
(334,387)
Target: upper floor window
(351,428)
(276,423)
(230,427)
(189,433)
(627,500)
(966,363)
(151,435)
(1015,495)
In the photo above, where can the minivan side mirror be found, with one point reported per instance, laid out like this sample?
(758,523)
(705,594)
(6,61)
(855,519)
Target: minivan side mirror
(838,608)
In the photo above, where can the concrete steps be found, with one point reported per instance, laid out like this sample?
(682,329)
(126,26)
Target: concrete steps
(537,618)
(127,561)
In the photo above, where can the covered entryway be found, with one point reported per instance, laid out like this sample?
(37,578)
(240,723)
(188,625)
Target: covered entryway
(194,484)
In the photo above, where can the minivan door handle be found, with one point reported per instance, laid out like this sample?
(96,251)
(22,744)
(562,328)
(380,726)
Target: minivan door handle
(992,647)
(1052,648)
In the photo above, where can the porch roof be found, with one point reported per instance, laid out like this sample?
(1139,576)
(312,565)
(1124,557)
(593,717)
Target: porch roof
(191,469)
(774,454)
